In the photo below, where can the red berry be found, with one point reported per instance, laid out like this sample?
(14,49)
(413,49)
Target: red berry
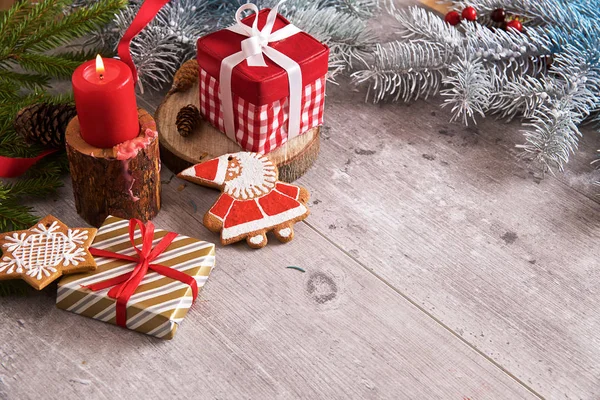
(514,24)
(470,14)
(453,18)
(498,15)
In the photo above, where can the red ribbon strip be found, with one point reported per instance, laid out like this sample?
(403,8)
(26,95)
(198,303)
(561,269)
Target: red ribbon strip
(11,167)
(146,13)
(123,286)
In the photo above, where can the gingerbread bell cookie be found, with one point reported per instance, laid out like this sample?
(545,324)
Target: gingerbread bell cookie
(253,201)
(45,252)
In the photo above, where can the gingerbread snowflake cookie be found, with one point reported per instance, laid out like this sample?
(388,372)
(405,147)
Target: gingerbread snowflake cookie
(46,251)
(253,201)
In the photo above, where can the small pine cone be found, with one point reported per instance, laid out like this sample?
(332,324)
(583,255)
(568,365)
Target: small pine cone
(44,123)
(188,118)
(185,77)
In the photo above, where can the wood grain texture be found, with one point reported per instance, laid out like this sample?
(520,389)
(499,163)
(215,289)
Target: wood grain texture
(451,219)
(258,331)
(105,185)
(446,254)
(293,158)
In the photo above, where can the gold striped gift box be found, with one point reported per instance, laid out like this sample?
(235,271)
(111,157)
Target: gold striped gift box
(159,304)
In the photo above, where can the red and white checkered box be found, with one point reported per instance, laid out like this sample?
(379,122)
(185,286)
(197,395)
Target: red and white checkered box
(260,93)
(261,128)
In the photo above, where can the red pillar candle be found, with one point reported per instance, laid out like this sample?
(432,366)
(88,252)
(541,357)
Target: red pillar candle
(105,101)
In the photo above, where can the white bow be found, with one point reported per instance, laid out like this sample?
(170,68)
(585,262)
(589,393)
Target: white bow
(253,50)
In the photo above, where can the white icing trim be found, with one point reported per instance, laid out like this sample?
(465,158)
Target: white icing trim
(264,214)
(263,223)
(227,213)
(258,239)
(221,169)
(285,232)
(257,177)
(191,171)
(39,253)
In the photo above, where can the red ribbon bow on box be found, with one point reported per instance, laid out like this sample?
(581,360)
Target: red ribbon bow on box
(123,286)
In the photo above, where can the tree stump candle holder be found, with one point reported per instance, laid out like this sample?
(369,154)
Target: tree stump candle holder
(123,181)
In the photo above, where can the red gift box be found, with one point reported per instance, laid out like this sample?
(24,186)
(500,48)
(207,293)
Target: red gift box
(260,94)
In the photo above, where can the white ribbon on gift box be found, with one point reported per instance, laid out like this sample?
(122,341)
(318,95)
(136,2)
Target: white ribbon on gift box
(252,51)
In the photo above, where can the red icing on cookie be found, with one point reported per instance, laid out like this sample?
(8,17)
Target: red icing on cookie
(207,170)
(276,203)
(222,206)
(253,200)
(289,190)
(241,212)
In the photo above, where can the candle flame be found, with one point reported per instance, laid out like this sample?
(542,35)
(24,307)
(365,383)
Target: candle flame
(99,66)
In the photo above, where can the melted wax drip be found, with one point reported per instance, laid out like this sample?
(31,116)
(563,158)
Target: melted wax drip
(131,148)
(129,180)
(127,151)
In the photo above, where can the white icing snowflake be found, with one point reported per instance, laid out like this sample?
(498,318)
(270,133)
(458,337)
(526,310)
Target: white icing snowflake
(39,254)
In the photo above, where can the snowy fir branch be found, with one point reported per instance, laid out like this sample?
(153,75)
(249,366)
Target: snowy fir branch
(537,12)
(359,8)
(552,135)
(468,89)
(363,9)
(416,23)
(170,39)
(348,42)
(479,68)
(547,74)
(404,71)
(341,24)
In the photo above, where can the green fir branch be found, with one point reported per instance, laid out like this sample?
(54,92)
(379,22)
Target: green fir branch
(51,166)
(11,145)
(35,187)
(28,31)
(13,215)
(11,17)
(55,66)
(19,79)
(14,288)
(8,91)
(82,55)
(74,25)
(38,15)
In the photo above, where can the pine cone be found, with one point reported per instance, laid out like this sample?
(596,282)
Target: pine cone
(185,77)
(45,123)
(188,118)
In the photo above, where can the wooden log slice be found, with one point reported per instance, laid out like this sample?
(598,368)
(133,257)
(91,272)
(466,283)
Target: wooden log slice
(105,185)
(177,152)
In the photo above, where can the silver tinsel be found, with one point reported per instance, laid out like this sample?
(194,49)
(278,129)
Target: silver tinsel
(548,75)
(170,39)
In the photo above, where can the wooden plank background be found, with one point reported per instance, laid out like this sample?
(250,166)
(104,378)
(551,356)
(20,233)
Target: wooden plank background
(506,261)
(258,330)
(438,266)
